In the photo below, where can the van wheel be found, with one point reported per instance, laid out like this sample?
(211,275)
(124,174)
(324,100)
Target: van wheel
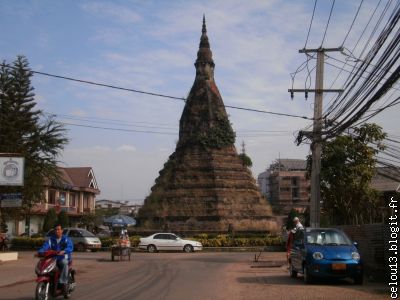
(358,279)
(80,247)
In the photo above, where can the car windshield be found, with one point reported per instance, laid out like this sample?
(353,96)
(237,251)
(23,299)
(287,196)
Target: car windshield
(52,231)
(86,233)
(327,237)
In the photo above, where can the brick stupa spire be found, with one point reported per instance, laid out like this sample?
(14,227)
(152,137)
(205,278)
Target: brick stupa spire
(205,185)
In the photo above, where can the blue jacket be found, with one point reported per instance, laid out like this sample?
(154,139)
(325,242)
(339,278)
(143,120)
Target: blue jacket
(65,244)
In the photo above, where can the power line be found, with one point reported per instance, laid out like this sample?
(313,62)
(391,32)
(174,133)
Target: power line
(367,92)
(248,135)
(128,123)
(327,24)
(106,119)
(309,28)
(121,123)
(119,129)
(352,73)
(156,94)
(355,46)
(352,23)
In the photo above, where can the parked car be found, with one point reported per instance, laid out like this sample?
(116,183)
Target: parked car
(168,242)
(104,234)
(325,252)
(81,238)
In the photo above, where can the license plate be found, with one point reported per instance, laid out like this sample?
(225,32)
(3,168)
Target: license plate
(338,267)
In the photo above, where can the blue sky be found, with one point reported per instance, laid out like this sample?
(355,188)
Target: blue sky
(151,46)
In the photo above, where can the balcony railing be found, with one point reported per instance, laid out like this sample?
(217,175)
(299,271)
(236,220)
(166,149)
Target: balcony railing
(41,207)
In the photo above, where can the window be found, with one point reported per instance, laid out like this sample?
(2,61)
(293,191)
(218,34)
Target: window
(85,201)
(74,233)
(72,199)
(52,197)
(328,237)
(295,193)
(171,236)
(63,197)
(85,233)
(159,237)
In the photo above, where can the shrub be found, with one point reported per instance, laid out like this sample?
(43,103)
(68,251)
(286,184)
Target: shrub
(109,241)
(27,242)
(224,240)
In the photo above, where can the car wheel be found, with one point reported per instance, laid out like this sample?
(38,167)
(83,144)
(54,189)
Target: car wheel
(151,248)
(80,247)
(307,276)
(188,248)
(292,271)
(358,279)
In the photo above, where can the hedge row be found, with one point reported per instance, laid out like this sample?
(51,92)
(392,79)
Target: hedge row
(222,240)
(27,242)
(108,242)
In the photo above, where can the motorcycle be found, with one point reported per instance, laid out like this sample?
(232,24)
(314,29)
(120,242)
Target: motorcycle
(47,277)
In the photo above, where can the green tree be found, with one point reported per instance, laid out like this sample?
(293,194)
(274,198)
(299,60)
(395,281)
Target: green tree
(25,131)
(63,219)
(246,160)
(88,220)
(347,166)
(50,220)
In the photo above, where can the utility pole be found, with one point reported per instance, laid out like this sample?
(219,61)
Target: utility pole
(316,134)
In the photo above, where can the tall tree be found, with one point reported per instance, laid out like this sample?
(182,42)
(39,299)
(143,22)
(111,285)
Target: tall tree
(50,220)
(347,166)
(25,131)
(63,219)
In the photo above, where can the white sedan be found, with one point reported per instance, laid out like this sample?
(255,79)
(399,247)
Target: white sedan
(168,242)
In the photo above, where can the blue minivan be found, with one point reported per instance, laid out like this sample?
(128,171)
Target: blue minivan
(324,252)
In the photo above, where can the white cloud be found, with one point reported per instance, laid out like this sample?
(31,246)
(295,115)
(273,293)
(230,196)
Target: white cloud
(126,148)
(112,12)
(95,150)
(79,113)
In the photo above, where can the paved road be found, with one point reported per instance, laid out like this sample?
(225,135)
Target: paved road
(175,276)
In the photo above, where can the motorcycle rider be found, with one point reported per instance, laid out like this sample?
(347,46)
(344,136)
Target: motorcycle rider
(64,247)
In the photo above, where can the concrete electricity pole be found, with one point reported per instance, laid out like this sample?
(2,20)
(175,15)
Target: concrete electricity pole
(316,134)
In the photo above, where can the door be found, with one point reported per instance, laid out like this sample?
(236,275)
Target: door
(174,243)
(161,241)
